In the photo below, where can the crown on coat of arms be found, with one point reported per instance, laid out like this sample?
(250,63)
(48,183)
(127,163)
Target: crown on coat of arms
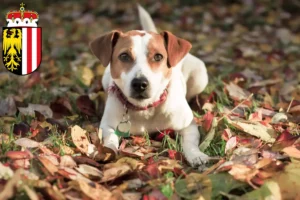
(22,18)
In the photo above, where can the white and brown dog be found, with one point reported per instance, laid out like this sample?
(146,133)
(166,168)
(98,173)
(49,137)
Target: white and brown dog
(153,77)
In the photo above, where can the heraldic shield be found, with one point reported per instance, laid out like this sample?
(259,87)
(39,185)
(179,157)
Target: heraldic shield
(22,49)
(22,42)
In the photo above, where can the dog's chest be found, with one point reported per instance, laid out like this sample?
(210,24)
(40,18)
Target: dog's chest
(157,120)
(149,121)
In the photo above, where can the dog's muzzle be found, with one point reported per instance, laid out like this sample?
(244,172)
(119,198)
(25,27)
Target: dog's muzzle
(139,88)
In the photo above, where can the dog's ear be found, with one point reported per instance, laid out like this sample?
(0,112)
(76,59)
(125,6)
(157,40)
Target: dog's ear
(176,47)
(102,47)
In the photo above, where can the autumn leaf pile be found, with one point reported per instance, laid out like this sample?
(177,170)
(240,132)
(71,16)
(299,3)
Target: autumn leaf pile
(248,116)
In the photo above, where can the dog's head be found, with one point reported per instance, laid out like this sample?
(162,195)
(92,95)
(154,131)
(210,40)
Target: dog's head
(141,62)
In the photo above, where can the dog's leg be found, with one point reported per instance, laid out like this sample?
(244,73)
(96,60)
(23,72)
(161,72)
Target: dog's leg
(110,139)
(190,142)
(110,119)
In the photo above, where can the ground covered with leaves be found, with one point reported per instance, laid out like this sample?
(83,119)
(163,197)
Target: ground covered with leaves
(249,114)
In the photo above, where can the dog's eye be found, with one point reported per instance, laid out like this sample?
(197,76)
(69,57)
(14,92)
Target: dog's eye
(124,57)
(158,57)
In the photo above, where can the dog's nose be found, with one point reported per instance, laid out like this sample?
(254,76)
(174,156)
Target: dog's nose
(139,85)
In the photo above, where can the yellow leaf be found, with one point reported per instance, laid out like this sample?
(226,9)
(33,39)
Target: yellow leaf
(288,181)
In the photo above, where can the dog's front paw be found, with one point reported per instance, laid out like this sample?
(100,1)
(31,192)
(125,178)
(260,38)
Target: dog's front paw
(198,159)
(111,142)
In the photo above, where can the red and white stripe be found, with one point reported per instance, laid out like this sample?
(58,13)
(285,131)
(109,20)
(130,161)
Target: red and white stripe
(31,49)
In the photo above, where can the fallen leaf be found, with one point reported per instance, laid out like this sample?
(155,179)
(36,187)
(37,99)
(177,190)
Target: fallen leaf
(244,155)
(43,109)
(265,82)
(218,185)
(67,161)
(288,181)
(123,166)
(285,139)
(194,186)
(292,151)
(52,168)
(256,116)
(207,121)
(295,110)
(89,171)
(85,160)
(235,92)
(21,129)
(18,155)
(86,106)
(85,75)
(72,174)
(255,129)
(95,192)
(279,117)
(230,144)
(269,190)
(210,135)
(243,173)
(115,172)
(80,139)
(26,143)
(7,106)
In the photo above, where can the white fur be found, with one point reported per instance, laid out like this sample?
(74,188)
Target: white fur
(174,113)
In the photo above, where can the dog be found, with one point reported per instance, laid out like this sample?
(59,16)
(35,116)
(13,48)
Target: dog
(150,77)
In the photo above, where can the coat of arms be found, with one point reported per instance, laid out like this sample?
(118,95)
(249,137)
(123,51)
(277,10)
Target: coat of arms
(22,42)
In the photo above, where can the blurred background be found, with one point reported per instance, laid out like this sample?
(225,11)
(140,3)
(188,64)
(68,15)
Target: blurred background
(253,39)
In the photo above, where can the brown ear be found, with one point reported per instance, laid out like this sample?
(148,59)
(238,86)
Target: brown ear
(102,47)
(177,48)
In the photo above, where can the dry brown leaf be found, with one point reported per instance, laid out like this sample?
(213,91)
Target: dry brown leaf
(123,166)
(26,143)
(80,139)
(210,135)
(132,151)
(89,171)
(265,82)
(288,181)
(72,174)
(52,168)
(67,161)
(43,109)
(235,92)
(97,192)
(231,143)
(292,151)
(243,173)
(194,186)
(115,172)
(256,129)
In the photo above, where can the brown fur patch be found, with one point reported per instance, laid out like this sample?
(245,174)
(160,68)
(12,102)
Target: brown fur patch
(157,46)
(177,48)
(124,45)
(135,33)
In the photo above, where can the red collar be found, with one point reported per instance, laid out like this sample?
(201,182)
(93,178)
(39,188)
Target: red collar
(114,88)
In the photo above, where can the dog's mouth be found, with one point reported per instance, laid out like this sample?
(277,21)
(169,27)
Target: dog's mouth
(140,97)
